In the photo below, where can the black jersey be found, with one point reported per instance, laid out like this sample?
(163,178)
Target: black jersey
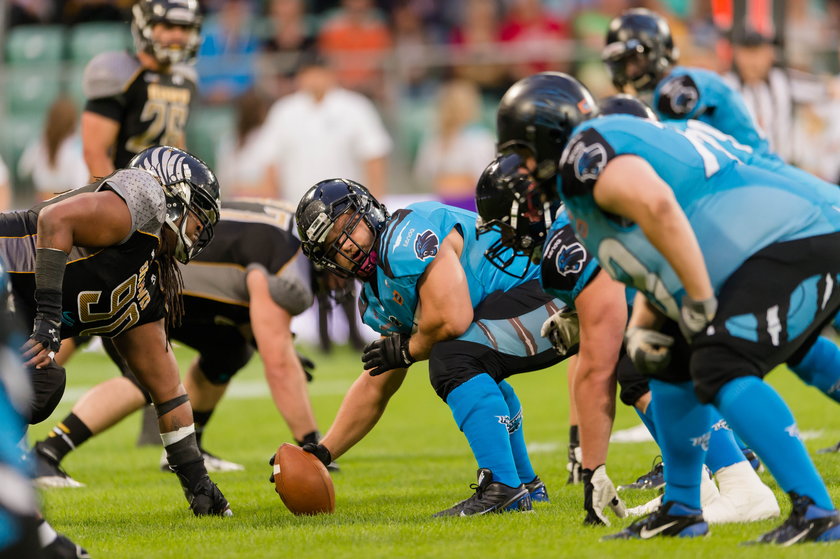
(250,233)
(151,107)
(106,290)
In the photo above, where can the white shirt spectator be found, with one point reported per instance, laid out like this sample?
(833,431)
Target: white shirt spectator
(464,156)
(4,173)
(69,171)
(310,141)
(240,169)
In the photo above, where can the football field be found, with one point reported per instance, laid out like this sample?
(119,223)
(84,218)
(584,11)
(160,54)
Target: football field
(414,463)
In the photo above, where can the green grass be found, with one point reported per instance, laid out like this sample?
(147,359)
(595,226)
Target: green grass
(414,463)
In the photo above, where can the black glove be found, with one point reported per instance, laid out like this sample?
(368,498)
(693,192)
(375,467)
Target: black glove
(307,364)
(47,326)
(47,389)
(598,494)
(387,353)
(312,437)
(321,452)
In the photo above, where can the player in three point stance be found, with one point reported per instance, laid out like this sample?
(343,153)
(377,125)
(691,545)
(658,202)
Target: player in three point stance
(431,293)
(678,233)
(240,294)
(508,201)
(102,259)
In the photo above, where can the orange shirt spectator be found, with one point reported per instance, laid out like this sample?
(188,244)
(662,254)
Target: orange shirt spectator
(356,39)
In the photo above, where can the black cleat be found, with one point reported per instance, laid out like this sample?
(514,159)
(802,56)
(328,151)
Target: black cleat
(807,523)
(63,548)
(490,497)
(48,473)
(536,488)
(686,522)
(654,479)
(830,450)
(205,498)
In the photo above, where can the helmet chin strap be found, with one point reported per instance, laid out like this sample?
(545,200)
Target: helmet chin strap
(368,265)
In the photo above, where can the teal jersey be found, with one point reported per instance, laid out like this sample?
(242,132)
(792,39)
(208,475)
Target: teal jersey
(769,161)
(408,244)
(735,209)
(703,95)
(567,267)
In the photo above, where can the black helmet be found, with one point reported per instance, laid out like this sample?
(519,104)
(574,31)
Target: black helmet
(189,185)
(537,115)
(146,13)
(317,214)
(510,203)
(644,37)
(623,104)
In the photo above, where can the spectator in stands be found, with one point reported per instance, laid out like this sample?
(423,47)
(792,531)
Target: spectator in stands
(771,93)
(451,159)
(536,37)
(350,141)
(240,167)
(476,44)
(411,37)
(293,32)
(357,40)
(227,55)
(54,162)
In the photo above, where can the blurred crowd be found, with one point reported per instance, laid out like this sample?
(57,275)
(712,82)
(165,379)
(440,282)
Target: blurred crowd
(433,70)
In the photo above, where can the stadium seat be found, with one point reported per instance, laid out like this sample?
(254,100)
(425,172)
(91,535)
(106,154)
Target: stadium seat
(73,83)
(206,126)
(91,38)
(35,44)
(19,129)
(31,89)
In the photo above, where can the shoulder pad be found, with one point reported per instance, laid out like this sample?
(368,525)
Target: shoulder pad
(583,160)
(565,264)
(408,245)
(143,195)
(187,71)
(679,97)
(109,74)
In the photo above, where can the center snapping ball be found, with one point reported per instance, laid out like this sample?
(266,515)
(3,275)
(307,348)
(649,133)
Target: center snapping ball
(302,481)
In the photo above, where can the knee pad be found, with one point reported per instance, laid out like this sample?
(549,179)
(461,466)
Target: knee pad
(47,389)
(632,384)
(219,367)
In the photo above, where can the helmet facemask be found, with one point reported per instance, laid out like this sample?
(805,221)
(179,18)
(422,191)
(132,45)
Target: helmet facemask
(329,231)
(511,204)
(146,14)
(191,192)
(183,202)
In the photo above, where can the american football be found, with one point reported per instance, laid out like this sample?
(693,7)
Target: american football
(302,482)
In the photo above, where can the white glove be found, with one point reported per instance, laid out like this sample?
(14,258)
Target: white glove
(695,316)
(649,350)
(598,494)
(563,330)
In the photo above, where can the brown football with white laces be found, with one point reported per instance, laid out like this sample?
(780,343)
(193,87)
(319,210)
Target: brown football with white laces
(302,481)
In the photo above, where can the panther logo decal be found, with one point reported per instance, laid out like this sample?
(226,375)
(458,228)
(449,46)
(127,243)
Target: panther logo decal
(590,161)
(570,259)
(426,245)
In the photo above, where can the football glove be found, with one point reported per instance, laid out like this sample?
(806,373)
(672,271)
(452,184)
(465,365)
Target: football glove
(649,350)
(598,494)
(387,353)
(695,316)
(321,452)
(46,329)
(563,330)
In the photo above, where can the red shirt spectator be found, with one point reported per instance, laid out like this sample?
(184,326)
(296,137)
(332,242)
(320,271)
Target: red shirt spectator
(536,36)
